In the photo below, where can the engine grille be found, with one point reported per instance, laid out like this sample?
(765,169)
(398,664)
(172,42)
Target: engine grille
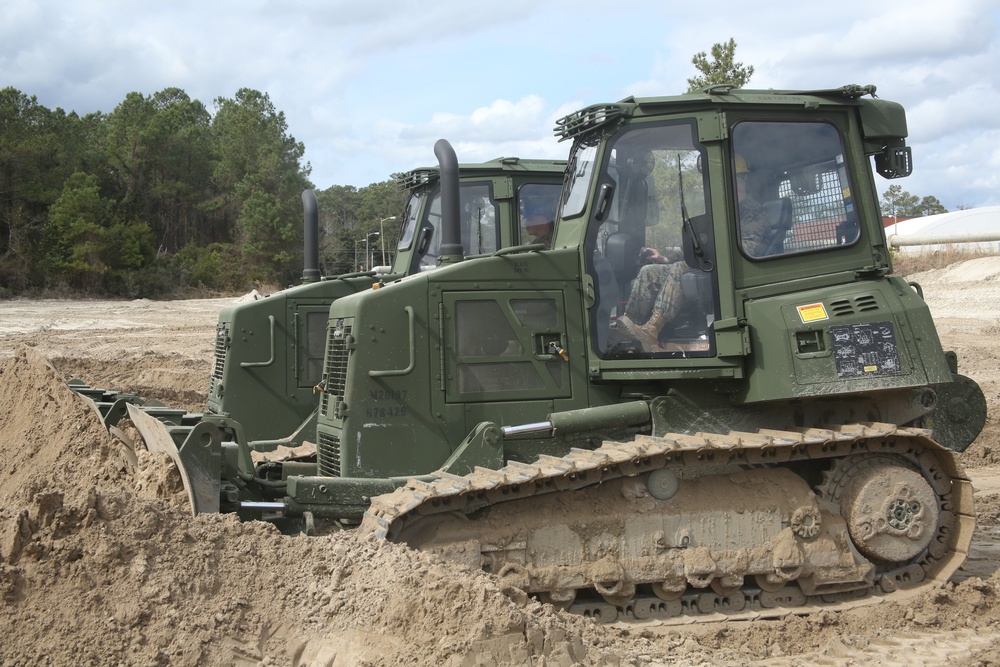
(221,346)
(335,383)
(335,373)
(328,455)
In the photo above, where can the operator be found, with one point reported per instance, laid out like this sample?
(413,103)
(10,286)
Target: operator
(538,221)
(754,221)
(656,295)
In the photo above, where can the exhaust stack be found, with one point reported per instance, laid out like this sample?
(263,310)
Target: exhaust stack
(310,259)
(451,232)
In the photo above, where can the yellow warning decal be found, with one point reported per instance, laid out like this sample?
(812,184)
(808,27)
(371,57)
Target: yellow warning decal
(812,312)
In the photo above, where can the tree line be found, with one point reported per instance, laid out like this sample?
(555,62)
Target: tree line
(161,195)
(898,203)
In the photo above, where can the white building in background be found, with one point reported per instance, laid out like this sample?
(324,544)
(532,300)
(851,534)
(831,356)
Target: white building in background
(974,229)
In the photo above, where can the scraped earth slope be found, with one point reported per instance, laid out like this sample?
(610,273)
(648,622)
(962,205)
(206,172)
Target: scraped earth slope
(99,564)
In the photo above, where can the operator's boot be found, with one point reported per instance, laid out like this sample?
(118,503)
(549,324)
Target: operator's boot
(644,333)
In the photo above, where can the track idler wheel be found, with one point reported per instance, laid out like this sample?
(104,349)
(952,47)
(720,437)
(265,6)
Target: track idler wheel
(668,591)
(727,585)
(769,582)
(560,598)
(616,593)
(891,511)
(611,581)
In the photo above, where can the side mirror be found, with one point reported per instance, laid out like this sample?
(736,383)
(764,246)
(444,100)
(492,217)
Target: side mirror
(894,162)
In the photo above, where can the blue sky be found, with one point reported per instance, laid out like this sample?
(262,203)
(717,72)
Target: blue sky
(368,87)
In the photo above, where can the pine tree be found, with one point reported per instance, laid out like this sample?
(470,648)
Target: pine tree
(723,68)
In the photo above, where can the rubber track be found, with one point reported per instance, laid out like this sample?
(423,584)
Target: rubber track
(390,512)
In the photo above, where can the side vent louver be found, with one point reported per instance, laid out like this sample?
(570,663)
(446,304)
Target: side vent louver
(865,303)
(221,346)
(841,307)
(328,455)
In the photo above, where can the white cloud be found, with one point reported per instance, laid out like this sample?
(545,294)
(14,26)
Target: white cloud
(503,121)
(505,128)
(972,108)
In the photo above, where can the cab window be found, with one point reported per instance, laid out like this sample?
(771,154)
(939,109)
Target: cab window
(537,203)
(794,194)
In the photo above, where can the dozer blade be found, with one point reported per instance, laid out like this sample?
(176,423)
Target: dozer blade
(200,474)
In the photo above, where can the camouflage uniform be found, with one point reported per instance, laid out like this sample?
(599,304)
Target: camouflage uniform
(754,224)
(656,295)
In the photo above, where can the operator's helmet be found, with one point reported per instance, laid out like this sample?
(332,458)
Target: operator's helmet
(544,207)
(741,164)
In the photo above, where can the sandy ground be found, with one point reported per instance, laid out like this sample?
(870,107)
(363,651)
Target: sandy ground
(99,567)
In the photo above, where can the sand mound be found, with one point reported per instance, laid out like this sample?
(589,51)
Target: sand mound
(969,288)
(51,437)
(177,382)
(972,270)
(98,571)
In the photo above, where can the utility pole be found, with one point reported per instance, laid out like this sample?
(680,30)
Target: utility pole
(381,226)
(367,247)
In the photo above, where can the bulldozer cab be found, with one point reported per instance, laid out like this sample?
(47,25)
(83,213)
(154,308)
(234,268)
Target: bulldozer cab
(491,193)
(731,197)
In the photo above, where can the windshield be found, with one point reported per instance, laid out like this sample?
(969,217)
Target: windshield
(480,234)
(653,255)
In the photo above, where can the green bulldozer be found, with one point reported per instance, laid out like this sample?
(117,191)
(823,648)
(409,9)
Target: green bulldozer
(708,393)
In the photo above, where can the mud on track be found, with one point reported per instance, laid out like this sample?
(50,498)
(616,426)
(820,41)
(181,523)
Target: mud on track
(99,567)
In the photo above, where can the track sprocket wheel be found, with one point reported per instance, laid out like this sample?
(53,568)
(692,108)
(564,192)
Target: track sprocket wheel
(891,509)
